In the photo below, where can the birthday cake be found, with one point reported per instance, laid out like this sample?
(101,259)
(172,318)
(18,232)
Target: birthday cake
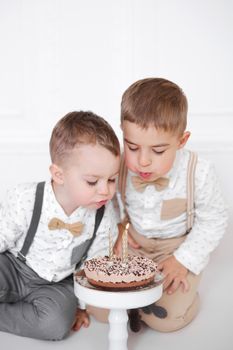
(113,273)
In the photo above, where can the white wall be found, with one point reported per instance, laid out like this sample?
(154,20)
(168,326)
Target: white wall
(61,55)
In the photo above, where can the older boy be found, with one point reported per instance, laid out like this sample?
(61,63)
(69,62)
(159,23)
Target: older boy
(47,229)
(172,198)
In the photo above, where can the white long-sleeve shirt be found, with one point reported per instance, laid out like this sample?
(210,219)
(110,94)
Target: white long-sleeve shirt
(51,250)
(145,210)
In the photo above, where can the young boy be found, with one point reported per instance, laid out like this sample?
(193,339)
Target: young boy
(172,199)
(43,240)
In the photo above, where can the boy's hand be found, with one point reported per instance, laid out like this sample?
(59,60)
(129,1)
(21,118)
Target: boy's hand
(118,245)
(175,274)
(82,319)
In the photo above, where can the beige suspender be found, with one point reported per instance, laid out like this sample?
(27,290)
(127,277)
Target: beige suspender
(122,178)
(190,189)
(190,186)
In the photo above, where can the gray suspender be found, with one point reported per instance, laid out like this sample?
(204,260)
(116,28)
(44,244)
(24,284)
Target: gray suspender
(35,221)
(84,248)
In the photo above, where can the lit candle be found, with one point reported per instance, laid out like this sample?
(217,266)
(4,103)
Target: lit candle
(110,245)
(125,244)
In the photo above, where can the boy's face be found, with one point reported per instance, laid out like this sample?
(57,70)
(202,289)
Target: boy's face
(88,178)
(150,153)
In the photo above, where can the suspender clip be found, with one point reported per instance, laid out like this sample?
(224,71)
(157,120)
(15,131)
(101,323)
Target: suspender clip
(21,257)
(191,212)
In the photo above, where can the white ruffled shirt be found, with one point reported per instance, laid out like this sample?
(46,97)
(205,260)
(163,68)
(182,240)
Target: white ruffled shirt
(51,250)
(210,221)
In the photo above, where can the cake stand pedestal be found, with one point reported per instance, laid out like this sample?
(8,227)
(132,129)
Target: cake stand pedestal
(117,303)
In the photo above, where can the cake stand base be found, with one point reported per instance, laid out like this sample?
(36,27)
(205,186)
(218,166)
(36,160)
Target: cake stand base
(118,303)
(118,333)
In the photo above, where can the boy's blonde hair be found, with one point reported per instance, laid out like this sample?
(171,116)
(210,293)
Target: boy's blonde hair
(77,128)
(158,102)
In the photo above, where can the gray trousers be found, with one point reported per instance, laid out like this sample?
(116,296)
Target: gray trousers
(31,306)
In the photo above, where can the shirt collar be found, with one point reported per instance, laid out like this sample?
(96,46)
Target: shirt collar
(54,207)
(174,171)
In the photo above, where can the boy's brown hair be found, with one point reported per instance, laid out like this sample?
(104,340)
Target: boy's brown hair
(155,101)
(81,127)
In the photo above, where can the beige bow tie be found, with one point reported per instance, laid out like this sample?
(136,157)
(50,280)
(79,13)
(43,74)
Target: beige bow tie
(75,228)
(160,184)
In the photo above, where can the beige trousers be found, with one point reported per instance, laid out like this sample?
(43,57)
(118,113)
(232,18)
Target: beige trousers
(181,307)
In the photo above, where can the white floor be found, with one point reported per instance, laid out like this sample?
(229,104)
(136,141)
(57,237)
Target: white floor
(212,329)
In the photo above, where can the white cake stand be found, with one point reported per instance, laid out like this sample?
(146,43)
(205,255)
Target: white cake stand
(118,303)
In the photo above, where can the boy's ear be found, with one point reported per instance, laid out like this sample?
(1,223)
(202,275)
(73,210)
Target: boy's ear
(184,138)
(57,174)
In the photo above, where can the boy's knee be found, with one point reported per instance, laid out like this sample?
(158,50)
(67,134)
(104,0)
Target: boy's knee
(175,319)
(57,323)
(57,328)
